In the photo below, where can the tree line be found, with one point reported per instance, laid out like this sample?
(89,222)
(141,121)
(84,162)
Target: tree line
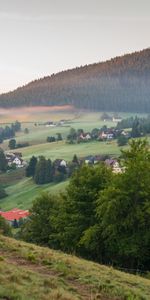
(120,84)
(101,216)
(44,171)
(8,132)
(139,126)
(51,139)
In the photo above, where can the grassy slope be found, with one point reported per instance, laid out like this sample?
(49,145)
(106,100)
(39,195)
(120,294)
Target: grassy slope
(66,151)
(31,272)
(38,134)
(23,193)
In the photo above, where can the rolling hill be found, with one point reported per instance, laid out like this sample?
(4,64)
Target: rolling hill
(120,84)
(31,272)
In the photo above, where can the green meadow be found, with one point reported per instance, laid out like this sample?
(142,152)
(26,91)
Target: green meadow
(38,134)
(23,193)
(21,190)
(66,151)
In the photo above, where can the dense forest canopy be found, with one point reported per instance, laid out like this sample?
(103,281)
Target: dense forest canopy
(120,84)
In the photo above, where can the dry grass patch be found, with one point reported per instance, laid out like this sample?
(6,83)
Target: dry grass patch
(68,276)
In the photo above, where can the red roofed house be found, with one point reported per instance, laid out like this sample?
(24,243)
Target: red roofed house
(14,215)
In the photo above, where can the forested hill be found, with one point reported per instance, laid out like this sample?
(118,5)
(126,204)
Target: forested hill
(120,84)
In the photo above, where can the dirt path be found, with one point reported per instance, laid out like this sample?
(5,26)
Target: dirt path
(84,291)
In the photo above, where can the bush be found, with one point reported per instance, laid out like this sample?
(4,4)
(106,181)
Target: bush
(122,140)
(4,227)
(3,194)
(51,139)
(22,145)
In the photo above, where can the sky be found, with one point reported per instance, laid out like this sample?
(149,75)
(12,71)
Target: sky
(42,37)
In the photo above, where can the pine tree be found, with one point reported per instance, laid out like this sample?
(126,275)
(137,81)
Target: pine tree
(59,137)
(48,171)
(30,170)
(26,131)
(122,140)
(17,126)
(75,159)
(40,171)
(12,144)
(3,161)
(2,192)
(136,130)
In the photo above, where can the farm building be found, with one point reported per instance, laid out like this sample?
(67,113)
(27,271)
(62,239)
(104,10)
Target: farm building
(14,215)
(15,158)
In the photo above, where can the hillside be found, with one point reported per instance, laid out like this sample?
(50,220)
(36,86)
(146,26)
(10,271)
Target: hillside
(120,84)
(31,272)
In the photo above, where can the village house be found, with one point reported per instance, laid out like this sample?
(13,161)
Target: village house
(63,163)
(14,215)
(15,158)
(117,119)
(89,159)
(94,159)
(60,163)
(85,137)
(106,136)
(114,164)
(50,124)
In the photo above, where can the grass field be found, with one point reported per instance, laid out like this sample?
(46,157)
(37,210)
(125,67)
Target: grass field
(22,193)
(21,190)
(66,151)
(38,134)
(36,273)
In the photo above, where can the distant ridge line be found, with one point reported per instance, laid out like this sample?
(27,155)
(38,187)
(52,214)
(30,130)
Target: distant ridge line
(119,84)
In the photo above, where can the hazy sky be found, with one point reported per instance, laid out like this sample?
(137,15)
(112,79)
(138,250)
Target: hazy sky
(41,37)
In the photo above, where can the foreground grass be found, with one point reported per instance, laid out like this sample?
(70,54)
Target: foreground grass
(22,193)
(31,272)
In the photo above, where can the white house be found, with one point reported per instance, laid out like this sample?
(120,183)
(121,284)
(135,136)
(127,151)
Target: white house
(18,161)
(13,158)
(116,119)
(63,163)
